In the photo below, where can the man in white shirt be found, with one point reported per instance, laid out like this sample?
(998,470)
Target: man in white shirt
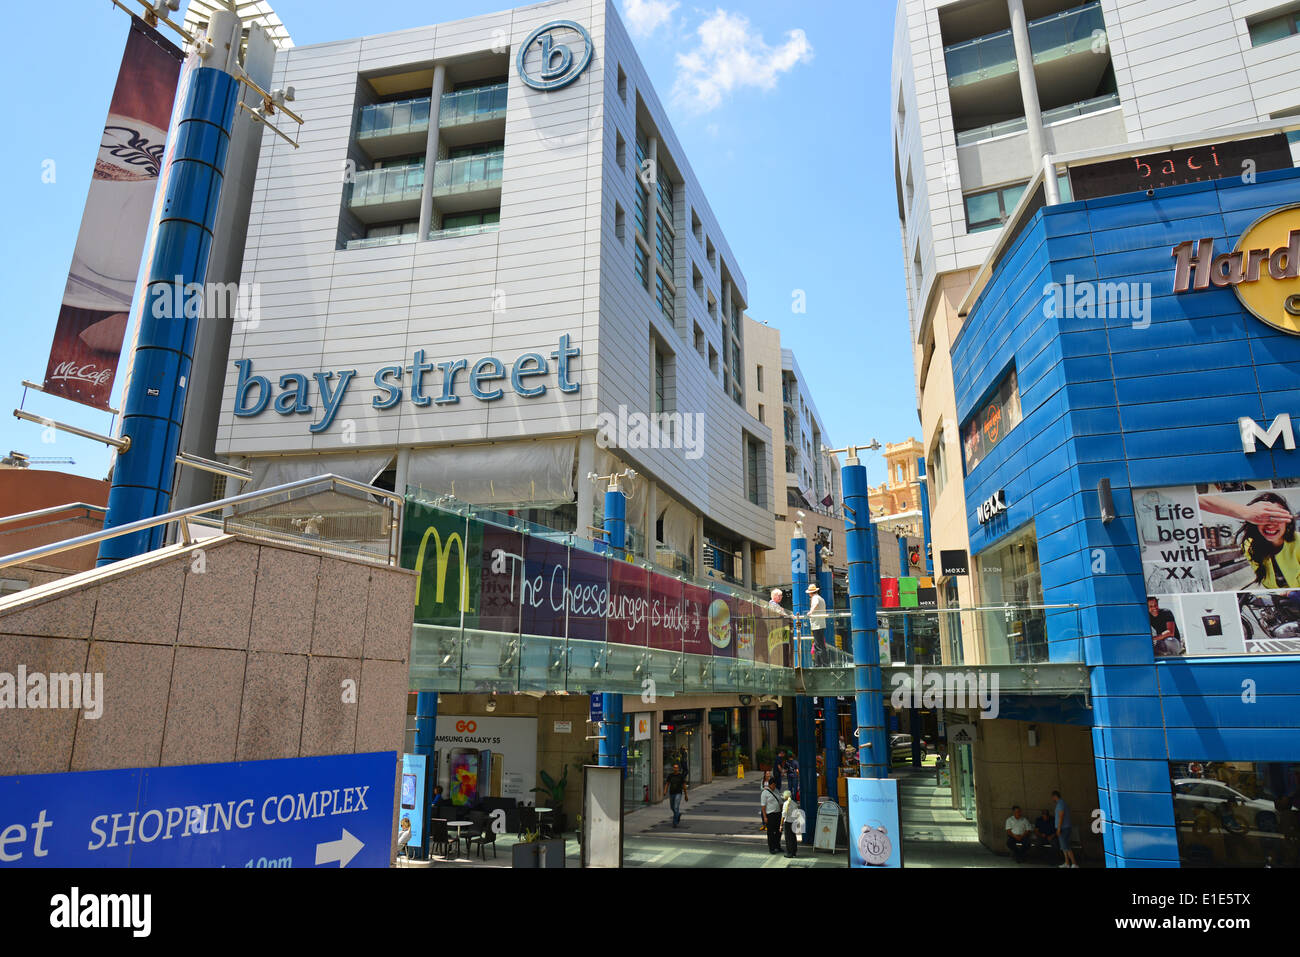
(771,811)
(817,620)
(1018,827)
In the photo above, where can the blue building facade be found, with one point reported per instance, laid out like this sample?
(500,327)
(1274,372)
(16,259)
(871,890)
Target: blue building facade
(1197,740)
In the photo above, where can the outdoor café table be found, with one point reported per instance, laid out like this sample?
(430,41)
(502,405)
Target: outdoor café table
(459,826)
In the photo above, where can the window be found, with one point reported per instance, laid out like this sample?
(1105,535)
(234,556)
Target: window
(937,468)
(991,421)
(753,470)
(664,296)
(642,268)
(1277,26)
(713,360)
(697,280)
(481,217)
(622,85)
(699,341)
(759,376)
(711,253)
(697,227)
(620,221)
(761,416)
(1009,574)
(659,385)
(620,151)
(663,242)
(642,215)
(989,209)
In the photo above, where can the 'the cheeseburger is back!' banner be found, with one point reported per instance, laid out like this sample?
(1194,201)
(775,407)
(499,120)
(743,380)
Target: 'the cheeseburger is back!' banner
(97,299)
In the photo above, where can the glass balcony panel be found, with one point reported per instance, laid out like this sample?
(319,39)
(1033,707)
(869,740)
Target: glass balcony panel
(1082,108)
(471,230)
(465,171)
(473,105)
(980,58)
(370,242)
(436,652)
(391,184)
(389,119)
(490,662)
(1071,31)
(541,663)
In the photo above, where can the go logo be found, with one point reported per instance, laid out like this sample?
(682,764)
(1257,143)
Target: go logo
(466,727)
(554,55)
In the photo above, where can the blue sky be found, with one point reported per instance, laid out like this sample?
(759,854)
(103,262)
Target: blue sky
(787,131)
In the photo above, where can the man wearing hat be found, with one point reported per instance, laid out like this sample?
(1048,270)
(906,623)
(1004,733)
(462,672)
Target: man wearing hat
(817,619)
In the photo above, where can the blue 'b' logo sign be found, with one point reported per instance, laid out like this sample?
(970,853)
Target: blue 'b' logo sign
(554,55)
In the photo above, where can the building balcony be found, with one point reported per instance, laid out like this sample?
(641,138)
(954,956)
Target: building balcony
(1054,37)
(394,129)
(457,231)
(372,242)
(1096,104)
(473,116)
(387,194)
(468,182)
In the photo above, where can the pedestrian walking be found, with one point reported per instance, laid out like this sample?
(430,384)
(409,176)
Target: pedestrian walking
(771,812)
(790,774)
(1063,829)
(675,788)
(792,823)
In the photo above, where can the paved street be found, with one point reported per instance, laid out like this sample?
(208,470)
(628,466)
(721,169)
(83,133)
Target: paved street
(720,828)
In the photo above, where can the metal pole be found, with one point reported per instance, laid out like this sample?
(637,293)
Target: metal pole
(864,583)
(924,498)
(177,265)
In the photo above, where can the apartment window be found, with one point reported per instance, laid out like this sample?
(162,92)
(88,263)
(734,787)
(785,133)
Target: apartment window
(642,214)
(938,467)
(711,253)
(700,342)
(990,208)
(761,417)
(620,221)
(713,360)
(1277,26)
(622,85)
(697,280)
(620,150)
(664,297)
(663,242)
(697,227)
(753,471)
(642,268)
(759,377)
(659,384)
(481,217)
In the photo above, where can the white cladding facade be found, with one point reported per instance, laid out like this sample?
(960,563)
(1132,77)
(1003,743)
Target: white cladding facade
(560,262)
(1181,68)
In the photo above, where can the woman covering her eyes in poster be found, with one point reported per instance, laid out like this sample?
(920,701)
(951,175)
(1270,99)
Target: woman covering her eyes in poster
(1267,536)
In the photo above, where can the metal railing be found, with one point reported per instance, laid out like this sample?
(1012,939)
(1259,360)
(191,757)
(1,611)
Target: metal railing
(53,510)
(389,184)
(194,514)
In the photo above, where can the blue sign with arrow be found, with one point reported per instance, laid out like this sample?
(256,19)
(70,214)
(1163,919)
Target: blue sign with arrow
(334,811)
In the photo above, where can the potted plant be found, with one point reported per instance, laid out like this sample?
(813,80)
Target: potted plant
(552,792)
(764,757)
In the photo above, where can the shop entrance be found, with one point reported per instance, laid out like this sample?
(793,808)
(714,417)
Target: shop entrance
(683,743)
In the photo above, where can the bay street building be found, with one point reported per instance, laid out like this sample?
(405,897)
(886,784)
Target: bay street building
(488,277)
(489,272)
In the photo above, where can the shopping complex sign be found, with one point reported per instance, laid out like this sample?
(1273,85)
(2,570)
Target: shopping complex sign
(486,380)
(1263,270)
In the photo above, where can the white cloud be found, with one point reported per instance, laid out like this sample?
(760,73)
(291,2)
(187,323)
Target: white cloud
(732,55)
(644,16)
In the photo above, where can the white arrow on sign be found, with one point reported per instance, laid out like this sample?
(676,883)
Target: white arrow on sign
(342,850)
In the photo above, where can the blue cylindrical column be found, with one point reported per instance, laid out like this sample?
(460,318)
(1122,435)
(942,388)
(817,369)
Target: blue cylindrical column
(609,754)
(873,751)
(166,315)
(830,706)
(904,571)
(804,718)
(426,721)
(925,516)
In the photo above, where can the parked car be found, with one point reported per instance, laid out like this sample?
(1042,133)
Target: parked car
(1228,806)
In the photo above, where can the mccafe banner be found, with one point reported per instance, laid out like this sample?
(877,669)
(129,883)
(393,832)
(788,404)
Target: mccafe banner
(486,577)
(97,298)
